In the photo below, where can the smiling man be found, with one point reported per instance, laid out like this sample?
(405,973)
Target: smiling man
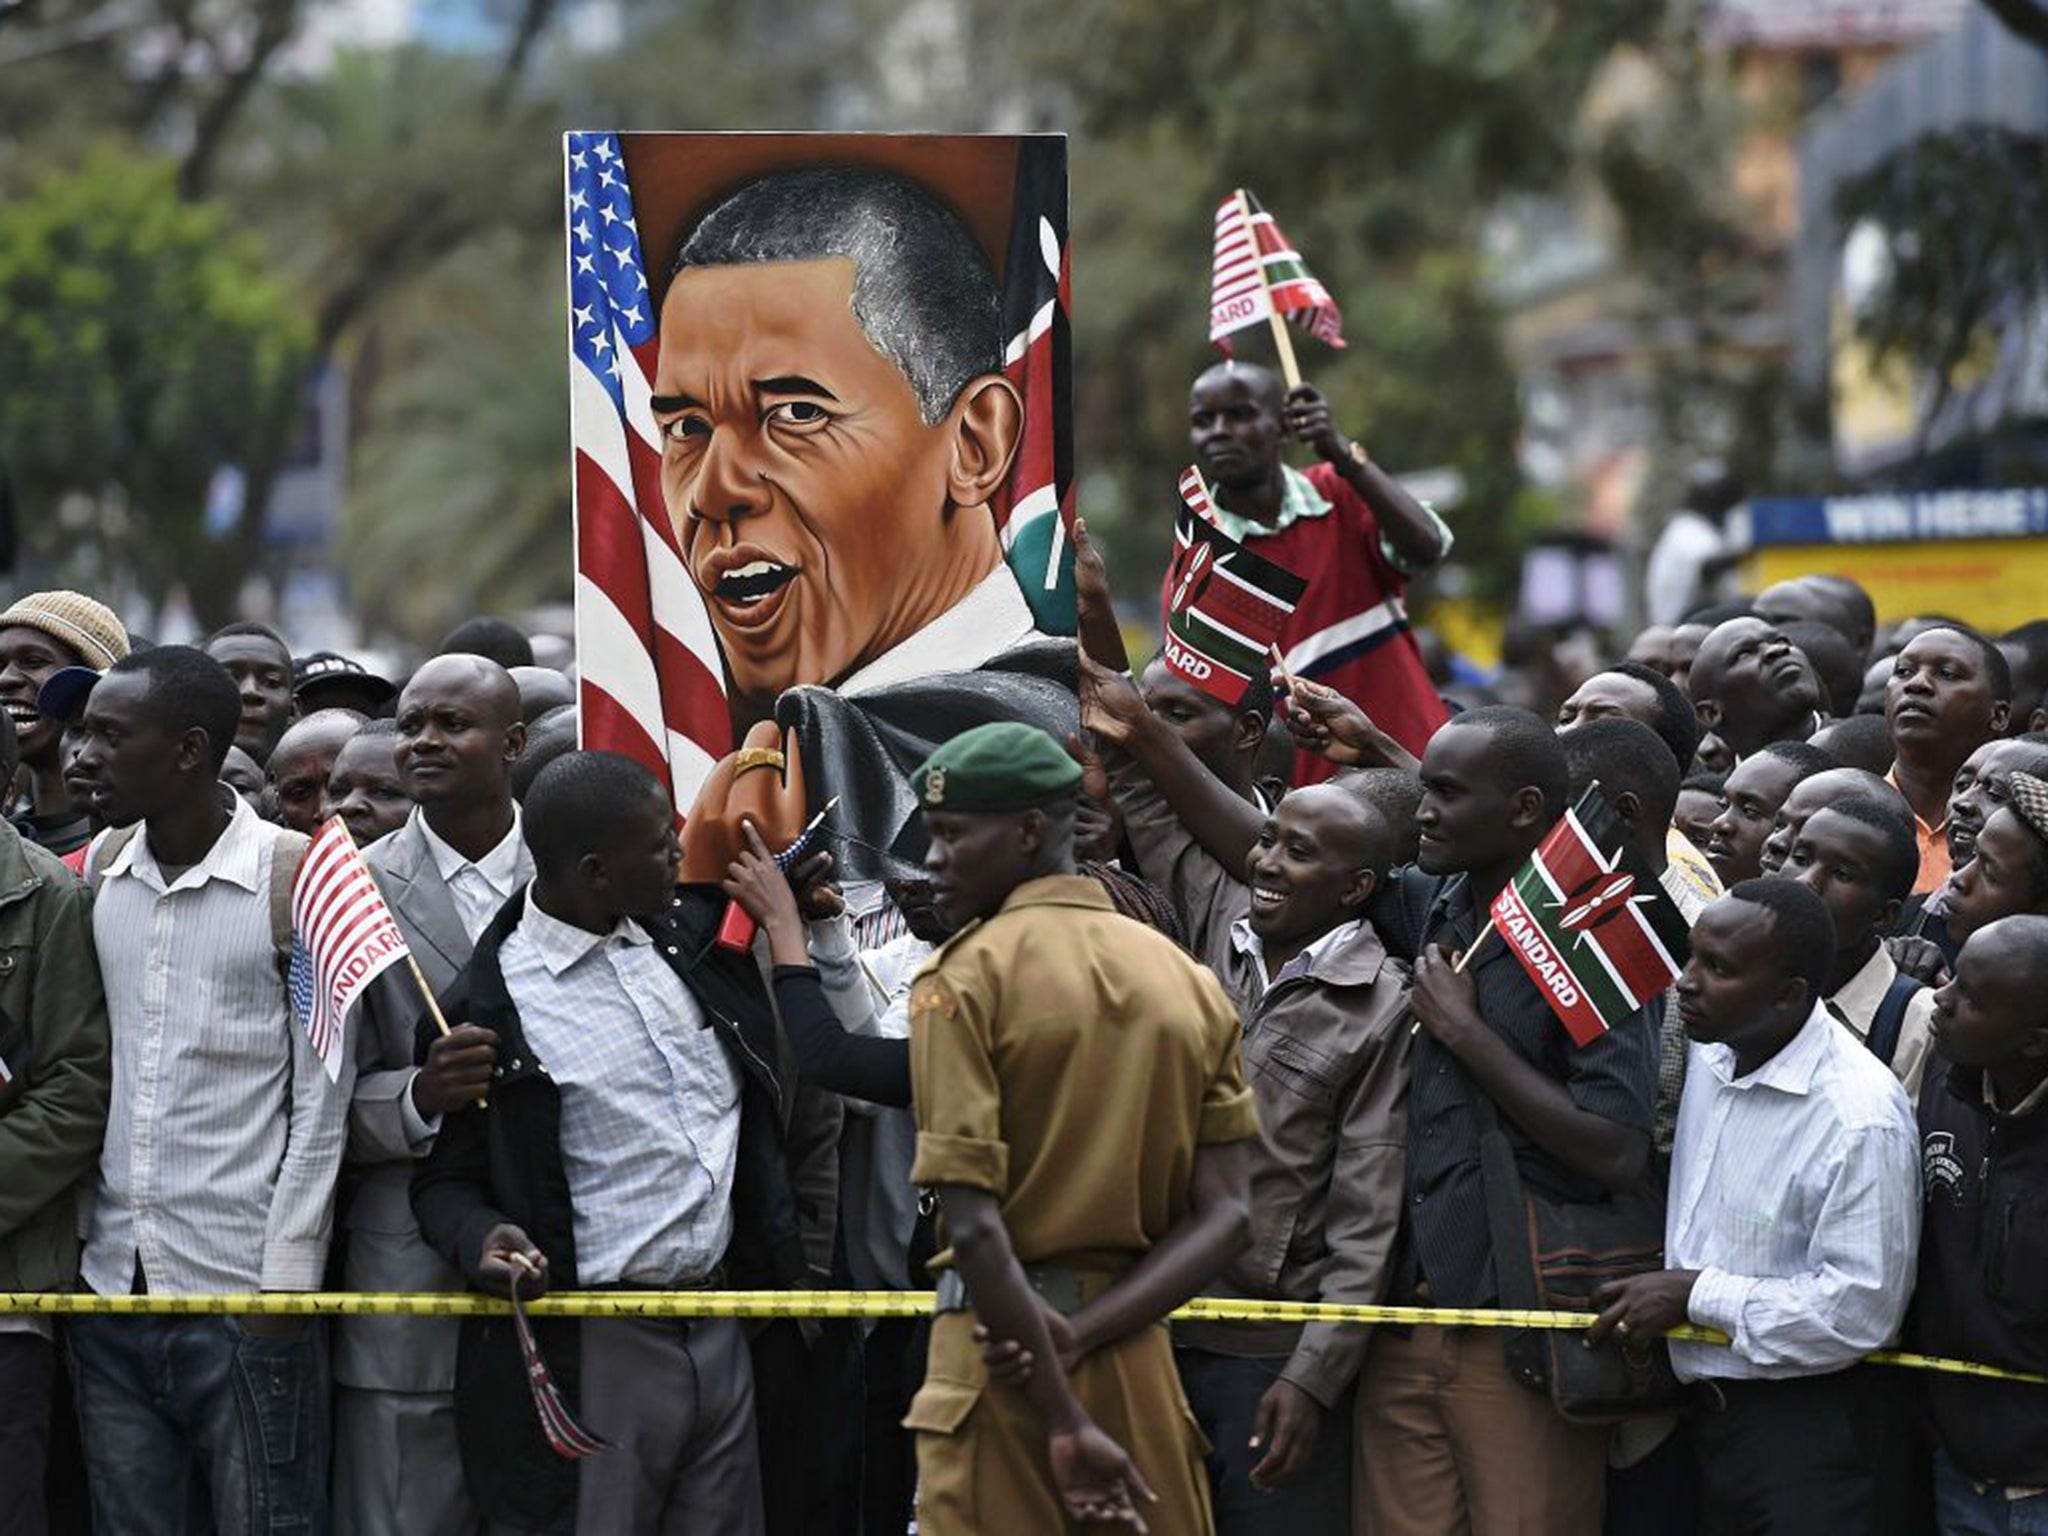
(40,635)
(834,423)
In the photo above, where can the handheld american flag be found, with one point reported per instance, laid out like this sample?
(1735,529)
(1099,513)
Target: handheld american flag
(1225,606)
(1589,922)
(343,938)
(652,684)
(1257,274)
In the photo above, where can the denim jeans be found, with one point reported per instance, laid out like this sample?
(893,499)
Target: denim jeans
(1964,1509)
(194,1425)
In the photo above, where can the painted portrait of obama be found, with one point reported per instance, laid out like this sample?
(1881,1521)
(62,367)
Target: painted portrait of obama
(834,422)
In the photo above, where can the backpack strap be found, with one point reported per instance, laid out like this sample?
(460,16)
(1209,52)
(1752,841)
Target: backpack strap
(106,850)
(287,853)
(1890,1019)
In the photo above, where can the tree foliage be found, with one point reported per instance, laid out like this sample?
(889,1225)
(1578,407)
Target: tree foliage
(144,342)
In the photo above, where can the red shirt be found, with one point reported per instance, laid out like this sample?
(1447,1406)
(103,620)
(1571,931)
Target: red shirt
(1350,630)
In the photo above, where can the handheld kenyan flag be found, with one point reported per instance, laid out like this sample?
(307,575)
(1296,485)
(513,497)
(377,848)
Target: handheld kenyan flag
(1257,273)
(1225,606)
(1590,924)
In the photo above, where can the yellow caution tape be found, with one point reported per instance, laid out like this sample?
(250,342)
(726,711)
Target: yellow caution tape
(800,1305)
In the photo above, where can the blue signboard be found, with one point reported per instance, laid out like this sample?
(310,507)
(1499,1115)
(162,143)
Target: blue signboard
(1904,518)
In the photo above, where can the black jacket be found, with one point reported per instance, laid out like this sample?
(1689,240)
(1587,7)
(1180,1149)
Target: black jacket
(1983,1288)
(504,1164)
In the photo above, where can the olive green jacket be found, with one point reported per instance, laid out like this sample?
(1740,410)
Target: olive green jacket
(59,1067)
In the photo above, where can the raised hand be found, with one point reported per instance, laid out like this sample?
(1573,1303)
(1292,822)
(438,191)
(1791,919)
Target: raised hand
(1309,421)
(1112,709)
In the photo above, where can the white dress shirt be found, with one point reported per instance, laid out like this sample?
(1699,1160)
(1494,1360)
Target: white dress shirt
(480,887)
(991,619)
(1246,942)
(1795,1191)
(650,1100)
(225,1136)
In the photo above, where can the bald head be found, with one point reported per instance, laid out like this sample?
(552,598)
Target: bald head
(303,759)
(459,732)
(1262,383)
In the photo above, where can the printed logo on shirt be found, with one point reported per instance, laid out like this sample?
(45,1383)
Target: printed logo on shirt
(1940,1166)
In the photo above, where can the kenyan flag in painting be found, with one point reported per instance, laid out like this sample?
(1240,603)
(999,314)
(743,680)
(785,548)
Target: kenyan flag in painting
(1590,924)
(1225,606)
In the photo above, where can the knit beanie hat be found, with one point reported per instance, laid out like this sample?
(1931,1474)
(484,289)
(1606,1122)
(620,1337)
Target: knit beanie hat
(74,621)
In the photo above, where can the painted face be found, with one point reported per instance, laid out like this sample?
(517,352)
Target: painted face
(1982,785)
(1939,691)
(811,500)
(27,658)
(263,671)
(1749,809)
(975,860)
(1307,870)
(2003,880)
(1841,861)
(1237,432)
(364,789)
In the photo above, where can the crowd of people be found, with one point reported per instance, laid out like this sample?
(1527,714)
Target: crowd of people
(1197,1002)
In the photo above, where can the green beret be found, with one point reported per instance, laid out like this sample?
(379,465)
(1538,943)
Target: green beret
(1003,766)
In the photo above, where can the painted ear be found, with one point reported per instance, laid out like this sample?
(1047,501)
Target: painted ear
(987,423)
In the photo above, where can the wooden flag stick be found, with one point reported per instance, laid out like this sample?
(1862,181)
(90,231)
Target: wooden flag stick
(1282,337)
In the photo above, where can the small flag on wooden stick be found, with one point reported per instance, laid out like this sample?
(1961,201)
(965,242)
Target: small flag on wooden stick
(566,1438)
(343,938)
(1257,276)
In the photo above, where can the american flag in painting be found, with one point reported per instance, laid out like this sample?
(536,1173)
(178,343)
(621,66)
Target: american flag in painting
(1256,272)
(343,938)
(652,684)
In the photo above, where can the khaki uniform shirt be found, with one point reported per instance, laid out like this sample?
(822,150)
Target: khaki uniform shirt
(1069,1062)
(1326,1052)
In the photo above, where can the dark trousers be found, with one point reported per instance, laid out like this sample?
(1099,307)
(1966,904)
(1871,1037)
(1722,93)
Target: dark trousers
(895,1370)
(1224,1392)
(1806,1455)
(194,1425)
(808,1401)
(27,1367)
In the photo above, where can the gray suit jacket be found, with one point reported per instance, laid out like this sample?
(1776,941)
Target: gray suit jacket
(385,1250)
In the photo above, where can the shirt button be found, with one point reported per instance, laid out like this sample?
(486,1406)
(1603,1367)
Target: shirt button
(1418,1199)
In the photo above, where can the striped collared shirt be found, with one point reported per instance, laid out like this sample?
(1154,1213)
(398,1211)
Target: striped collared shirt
(225,1136)
(1795,1191)
(650,1100)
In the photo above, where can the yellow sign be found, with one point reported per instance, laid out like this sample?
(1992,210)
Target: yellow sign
(1994,584)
